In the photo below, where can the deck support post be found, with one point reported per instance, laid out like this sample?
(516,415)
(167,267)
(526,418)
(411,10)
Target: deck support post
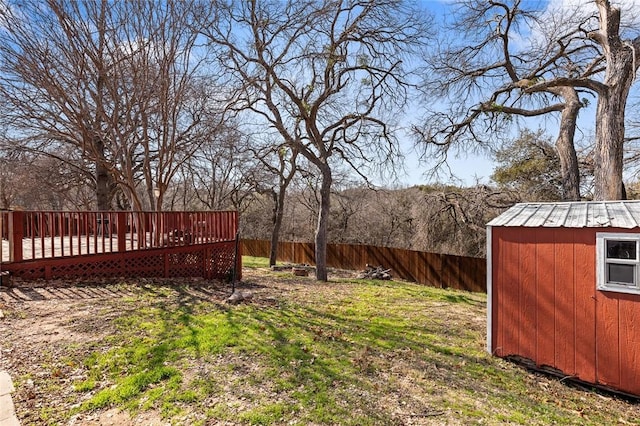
(16,234)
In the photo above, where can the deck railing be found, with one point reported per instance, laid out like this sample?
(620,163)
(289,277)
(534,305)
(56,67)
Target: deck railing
(29,235)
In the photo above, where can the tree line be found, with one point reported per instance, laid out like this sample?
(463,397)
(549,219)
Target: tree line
(288,110)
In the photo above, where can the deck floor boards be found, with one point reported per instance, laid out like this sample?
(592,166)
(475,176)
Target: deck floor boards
(71,246)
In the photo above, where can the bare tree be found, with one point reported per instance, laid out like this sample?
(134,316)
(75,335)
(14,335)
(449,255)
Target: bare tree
(165,107)
(622,64)
(493,80)
(119,82)
(219,175)
(33,181)
(324,75)
(52,72)
(619,55)
(280,163)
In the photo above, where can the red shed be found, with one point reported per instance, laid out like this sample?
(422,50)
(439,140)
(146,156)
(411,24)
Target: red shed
(563,284)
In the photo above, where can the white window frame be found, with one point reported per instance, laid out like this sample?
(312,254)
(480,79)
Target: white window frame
(602,261)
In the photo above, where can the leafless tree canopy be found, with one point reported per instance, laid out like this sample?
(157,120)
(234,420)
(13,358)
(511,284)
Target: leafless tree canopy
(121,84)
(326,76)
(433,218)
(287,110)
(495,75)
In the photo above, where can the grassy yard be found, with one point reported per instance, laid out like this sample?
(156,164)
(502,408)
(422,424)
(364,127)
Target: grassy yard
(347,352)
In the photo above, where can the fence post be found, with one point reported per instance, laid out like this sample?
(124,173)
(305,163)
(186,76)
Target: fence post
(16,234)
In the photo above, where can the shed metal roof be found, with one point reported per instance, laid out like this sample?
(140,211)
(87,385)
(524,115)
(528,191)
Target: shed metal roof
(592,214)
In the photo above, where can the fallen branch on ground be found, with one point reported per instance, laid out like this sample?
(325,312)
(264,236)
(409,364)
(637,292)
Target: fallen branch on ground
(375,273)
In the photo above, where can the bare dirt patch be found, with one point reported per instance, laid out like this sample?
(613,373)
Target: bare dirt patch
(48,328)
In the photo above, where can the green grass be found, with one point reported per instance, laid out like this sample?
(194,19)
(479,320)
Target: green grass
(255,262)
(350,352)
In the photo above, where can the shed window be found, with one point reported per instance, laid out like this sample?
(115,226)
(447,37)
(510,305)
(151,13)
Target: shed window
(618,262)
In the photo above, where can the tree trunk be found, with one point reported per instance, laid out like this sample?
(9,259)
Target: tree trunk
(284,179)
(621,62)
(609,146)
(323,221)
(278,213)
(565,145)
(103,180)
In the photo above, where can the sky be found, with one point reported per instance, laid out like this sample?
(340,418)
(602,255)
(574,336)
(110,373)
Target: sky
(470,168)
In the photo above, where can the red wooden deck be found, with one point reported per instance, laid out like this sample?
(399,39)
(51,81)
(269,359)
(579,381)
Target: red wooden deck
(59,244)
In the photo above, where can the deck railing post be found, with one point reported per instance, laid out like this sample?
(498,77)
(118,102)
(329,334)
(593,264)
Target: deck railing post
(16,234)
(122,231)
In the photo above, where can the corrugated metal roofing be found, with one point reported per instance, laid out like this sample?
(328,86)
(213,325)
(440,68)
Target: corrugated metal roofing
(592,214)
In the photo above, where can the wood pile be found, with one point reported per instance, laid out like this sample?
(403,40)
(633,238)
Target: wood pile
(375,273)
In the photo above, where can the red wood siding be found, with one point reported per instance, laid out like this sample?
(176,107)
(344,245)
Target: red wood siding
(629,343)
(564,307)
(545,306)
(585,304)
(545,300)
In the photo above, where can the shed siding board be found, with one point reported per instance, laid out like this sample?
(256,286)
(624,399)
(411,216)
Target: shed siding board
(545,302)
(564,343)
(508,283)
(504,277)
(528,290)
(516,289)
(499,254)
(630,343)
(585,304)
(497,299)
(531,303)
(613,334)
(496,289)
(607,339)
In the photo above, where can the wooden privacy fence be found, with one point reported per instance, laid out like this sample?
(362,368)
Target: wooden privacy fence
(433,269)
(65,244)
